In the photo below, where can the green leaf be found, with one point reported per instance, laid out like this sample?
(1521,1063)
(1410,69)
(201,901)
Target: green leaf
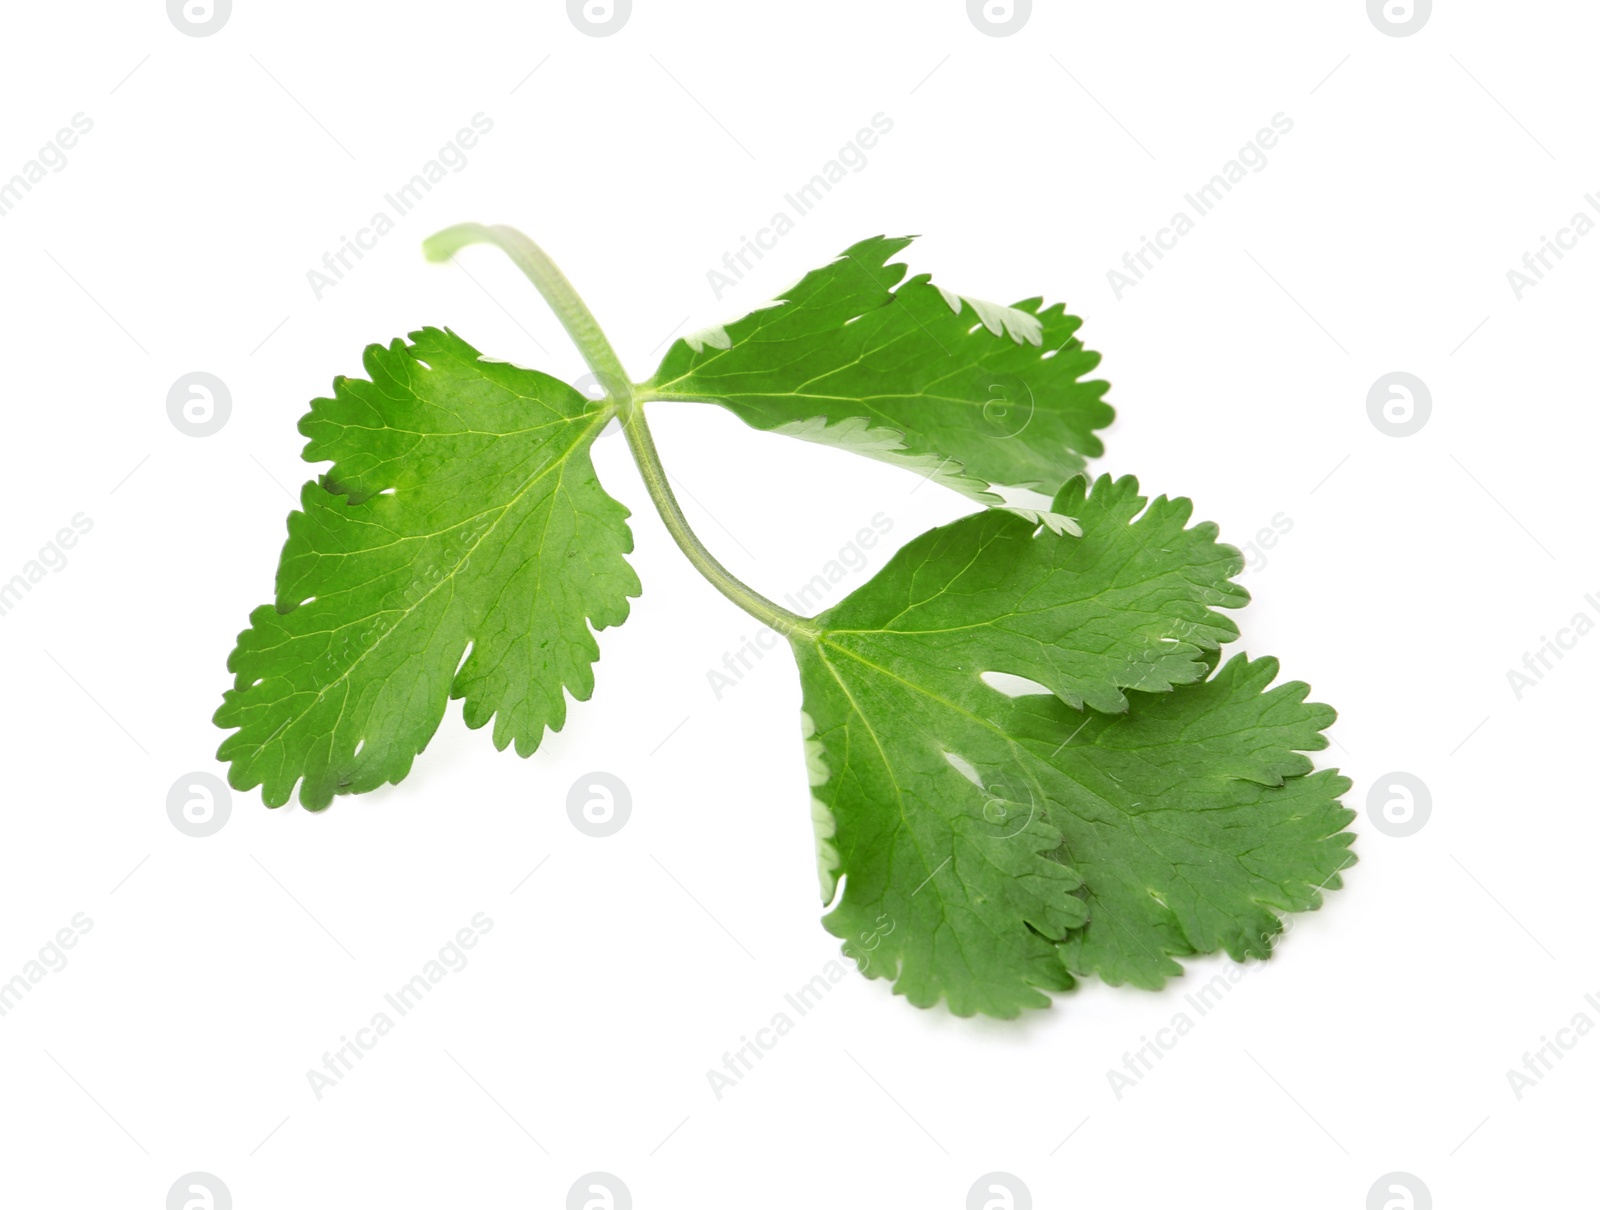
(1132,605)
(1195,818)
(461,511)
(994,846)
(968,392)
(1026,764)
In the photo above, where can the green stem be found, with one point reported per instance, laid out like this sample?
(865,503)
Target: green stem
(655,481)
(570,309)
(585,331)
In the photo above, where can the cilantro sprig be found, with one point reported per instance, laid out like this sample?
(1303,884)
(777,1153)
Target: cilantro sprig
(1145,803)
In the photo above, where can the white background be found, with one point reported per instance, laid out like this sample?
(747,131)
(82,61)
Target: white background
(1416,573)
